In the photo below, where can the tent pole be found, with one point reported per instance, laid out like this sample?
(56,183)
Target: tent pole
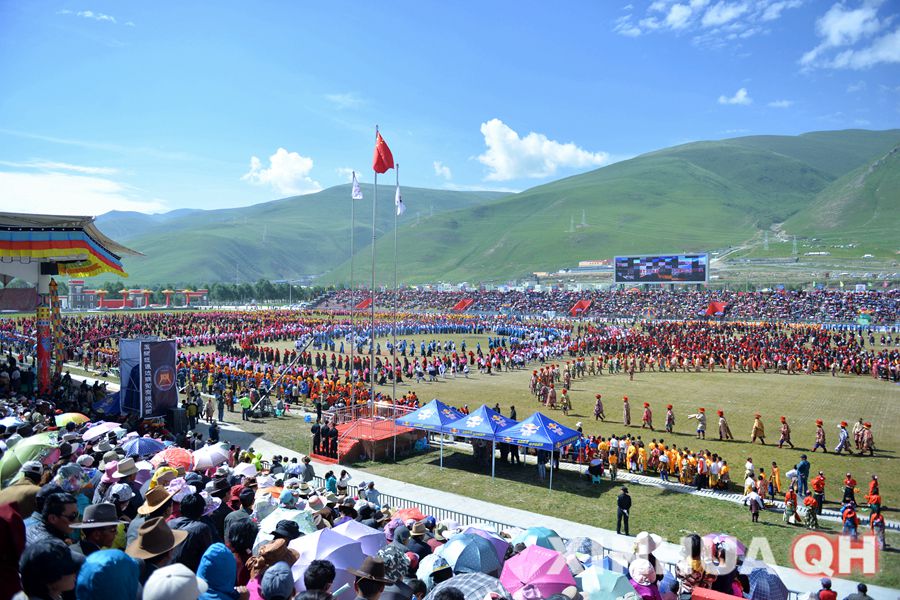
(551,469)
(493,458)
(442,449)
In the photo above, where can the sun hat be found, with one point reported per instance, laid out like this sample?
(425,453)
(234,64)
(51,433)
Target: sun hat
(371,568)
(173,582)
(647,542)
(98,515)
(109,471)
(125,467)
(418,530)
(396,565)
(120,492)
(154,500)
(155,537)
(212,503)
(316,503)
(287,529)
(86,461)
(33,467)
(642,572)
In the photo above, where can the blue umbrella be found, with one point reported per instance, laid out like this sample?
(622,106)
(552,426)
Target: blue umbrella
(540,536)
(143,446)
(469,553)
(765,584)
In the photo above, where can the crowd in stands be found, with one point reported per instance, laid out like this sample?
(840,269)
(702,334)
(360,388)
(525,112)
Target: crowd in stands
(824,306)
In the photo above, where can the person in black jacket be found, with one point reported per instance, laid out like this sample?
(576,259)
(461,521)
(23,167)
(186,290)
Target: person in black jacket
(623,502)
(200,535)
(316,430)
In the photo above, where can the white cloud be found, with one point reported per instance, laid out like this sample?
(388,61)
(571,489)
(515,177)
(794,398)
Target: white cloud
(442,170)
(773,11)
(68,194)
(679,16)
(741,97)
(89,14)
(723,12)
(885,49)
(288,173)
(347,173)
(49,165)
(781,103)
(345,101)
(842,27)
(509,156)
(859,86)
(716,24)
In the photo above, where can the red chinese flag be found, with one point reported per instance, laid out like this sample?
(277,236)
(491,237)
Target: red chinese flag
(383,159)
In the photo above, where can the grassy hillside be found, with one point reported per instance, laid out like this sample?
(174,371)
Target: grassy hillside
(275,240)
(837,186)
(699,196)
(860,207)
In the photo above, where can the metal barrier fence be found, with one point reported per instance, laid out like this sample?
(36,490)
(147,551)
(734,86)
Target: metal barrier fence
(465,519)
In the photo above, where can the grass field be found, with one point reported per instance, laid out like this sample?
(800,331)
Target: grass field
(800,398)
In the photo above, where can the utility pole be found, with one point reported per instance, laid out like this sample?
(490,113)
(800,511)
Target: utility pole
(766,242)
(794,251)
(583,218)
(572,224)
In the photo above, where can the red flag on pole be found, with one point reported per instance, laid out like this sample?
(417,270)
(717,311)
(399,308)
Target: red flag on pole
(383,159)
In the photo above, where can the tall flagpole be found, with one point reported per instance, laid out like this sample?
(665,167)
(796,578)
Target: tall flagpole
(372,338)
(394,328)
(352,295)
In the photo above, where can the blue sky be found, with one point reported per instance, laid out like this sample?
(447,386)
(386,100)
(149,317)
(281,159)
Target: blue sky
(157,106)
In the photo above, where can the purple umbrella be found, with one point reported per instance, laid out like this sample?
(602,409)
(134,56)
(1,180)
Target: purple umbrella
(371,540)
(500,545)
(325,544)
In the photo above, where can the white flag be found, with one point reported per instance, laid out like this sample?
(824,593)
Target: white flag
(398,202)
(356,194)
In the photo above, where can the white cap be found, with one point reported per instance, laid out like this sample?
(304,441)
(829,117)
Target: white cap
(86,461)
(174,582)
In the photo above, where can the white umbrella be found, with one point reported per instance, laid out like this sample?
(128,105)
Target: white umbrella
(210,456)
(99,430)
(245,470)
(371,540)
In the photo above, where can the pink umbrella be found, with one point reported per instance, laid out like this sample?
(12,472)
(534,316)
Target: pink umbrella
(174,457)
(370,540)
(536,572)
(325,544)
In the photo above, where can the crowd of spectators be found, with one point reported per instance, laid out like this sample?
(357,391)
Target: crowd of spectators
(823,306)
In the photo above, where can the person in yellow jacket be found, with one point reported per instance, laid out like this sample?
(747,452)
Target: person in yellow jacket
(642,459)
(630,457)
(775,480)
(758,430)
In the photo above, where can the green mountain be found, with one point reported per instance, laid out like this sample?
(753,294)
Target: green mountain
(838,186)
(282,239)
(862,207)
(698,196)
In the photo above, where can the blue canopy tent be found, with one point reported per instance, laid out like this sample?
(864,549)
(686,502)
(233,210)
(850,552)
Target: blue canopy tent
(484,423)
(434,416)
(540,432)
